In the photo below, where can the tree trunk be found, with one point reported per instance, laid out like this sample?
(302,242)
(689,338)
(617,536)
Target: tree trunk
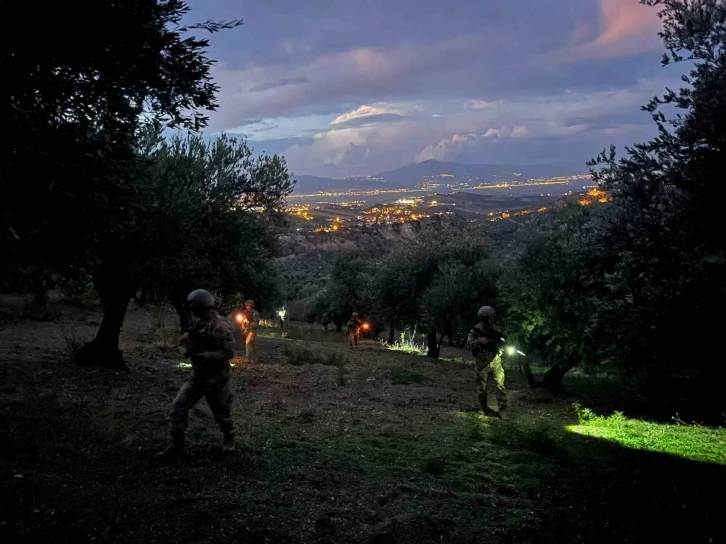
(552,380)
(179,301)
(533,383)
(433,346)
(40,294)
(391,331)
(115,284)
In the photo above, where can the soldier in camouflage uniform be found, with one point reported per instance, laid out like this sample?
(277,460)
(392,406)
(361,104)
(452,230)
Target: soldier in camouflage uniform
(210,345)
(353,328)
(251,321)
(485,341)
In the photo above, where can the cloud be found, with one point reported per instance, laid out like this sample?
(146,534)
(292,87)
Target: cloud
(359,91)
(373,119)
(521,122)
(367,112)
(443,149)
(279,83)
(627,28)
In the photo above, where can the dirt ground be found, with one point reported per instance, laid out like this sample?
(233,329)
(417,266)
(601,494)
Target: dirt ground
(345,445)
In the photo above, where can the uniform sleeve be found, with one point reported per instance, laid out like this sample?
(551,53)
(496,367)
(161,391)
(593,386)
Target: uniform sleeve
(222,332)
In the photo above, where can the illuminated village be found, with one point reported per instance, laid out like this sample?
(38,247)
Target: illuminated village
(333,217)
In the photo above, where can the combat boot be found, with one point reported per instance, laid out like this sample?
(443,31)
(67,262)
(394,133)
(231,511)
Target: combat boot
(175,450)
(228,443)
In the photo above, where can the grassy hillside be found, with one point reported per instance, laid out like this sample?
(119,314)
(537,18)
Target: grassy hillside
(336,445)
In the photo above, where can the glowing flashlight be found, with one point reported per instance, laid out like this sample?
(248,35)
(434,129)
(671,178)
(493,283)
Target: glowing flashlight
(511,350)
(239,318)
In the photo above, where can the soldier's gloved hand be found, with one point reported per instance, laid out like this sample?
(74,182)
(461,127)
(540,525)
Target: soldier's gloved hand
(483,340)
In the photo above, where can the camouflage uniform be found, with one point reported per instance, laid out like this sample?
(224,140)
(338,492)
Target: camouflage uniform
(489,367)
(210,378)
(353,327)
(252,321)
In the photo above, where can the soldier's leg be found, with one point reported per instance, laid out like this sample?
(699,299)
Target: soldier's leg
(250,346)
(482,380)
(498,376)
(186,398)
(219,397)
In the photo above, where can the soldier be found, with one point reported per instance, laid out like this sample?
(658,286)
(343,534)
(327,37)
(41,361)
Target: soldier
(353,329)
(281,313)
(485,342)
(324,322)
(210,345)
(251,322)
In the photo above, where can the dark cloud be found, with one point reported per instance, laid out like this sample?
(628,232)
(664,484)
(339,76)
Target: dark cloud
(279,83)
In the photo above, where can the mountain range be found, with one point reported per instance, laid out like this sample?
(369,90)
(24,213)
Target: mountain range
(433,170)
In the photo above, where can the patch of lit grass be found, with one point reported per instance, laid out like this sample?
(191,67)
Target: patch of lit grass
(457,360)
(407,344)
(692,442)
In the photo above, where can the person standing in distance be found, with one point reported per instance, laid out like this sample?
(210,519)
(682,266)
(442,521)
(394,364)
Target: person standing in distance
(210,345)
(252,321)
(486,342)
(353,328)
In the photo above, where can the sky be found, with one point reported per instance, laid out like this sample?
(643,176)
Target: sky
(357,87)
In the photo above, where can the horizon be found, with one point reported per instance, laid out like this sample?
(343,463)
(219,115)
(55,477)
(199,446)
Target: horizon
(347,91)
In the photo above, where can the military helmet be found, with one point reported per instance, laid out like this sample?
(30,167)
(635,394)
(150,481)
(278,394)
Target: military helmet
(355,314)
(250,303)
(200,298)
(486,311)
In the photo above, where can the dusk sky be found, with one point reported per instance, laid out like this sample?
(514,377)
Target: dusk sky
(350,87)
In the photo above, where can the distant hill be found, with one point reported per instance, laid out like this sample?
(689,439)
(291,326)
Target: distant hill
(432,170)
(315,184)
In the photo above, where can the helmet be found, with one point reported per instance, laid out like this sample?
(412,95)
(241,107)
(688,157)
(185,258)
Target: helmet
(201,299)
(355,314)
(486,311)
(250,303)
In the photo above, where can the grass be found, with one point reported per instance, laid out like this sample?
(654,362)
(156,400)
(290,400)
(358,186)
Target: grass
(407,343)
(692,442)
(342,452)
(403,376)
(298,356)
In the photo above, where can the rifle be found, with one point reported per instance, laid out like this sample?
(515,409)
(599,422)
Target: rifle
(496,340)
(196,343)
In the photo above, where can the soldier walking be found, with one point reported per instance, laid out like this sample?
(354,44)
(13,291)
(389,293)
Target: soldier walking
(324,321)
(210,346)
(486,342)
(251,321)
(353,326)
